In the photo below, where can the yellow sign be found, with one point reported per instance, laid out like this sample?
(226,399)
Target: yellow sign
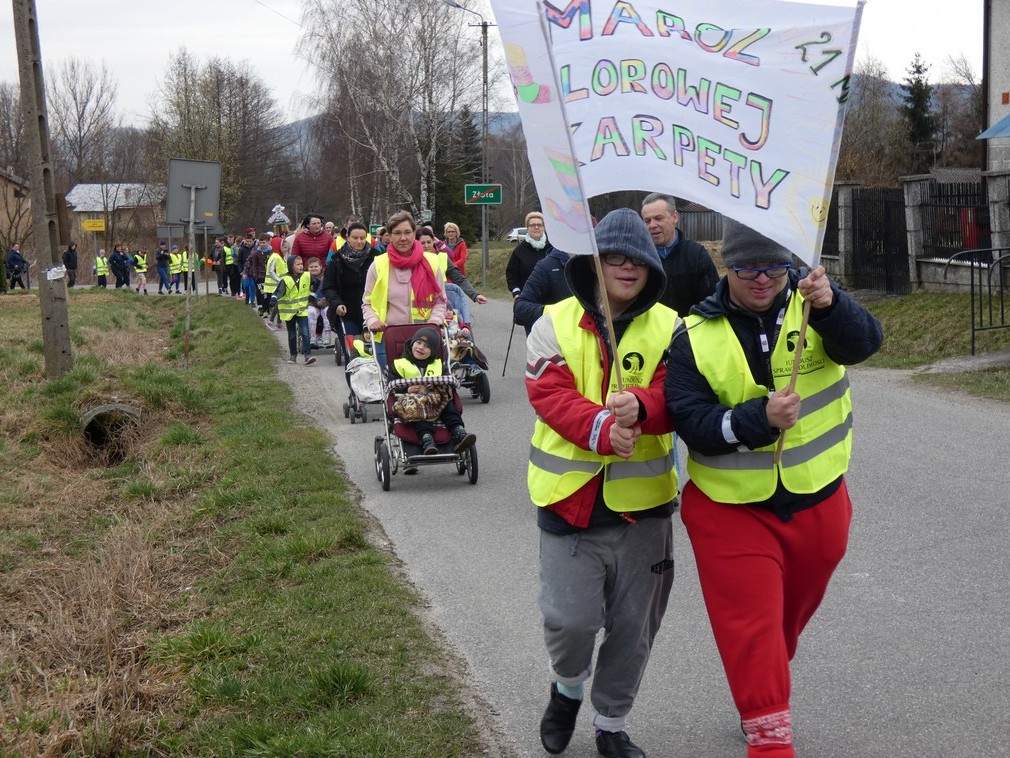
(93,225)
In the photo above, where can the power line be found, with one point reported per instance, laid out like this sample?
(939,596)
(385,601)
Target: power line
(274,10)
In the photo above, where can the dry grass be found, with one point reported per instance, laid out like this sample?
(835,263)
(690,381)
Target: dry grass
(88,575)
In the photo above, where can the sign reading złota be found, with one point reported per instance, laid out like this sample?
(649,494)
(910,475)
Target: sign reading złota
(482,194)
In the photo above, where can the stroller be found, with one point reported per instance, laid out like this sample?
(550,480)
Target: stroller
(399,446)
(467,363)
(363,379)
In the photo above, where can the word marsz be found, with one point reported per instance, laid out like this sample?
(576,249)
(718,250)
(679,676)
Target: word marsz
(730,43)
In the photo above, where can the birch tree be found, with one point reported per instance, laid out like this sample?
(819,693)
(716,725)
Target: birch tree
(395,74)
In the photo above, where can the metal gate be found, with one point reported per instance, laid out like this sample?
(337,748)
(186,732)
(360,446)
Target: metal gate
(880,241)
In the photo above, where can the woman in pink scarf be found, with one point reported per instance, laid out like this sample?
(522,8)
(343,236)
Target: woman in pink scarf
(403,286)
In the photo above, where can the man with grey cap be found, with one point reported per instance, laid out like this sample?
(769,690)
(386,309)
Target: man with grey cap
(766,535)
(602,476)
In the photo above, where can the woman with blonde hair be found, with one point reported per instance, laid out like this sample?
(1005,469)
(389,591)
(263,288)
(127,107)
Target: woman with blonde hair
(457,246)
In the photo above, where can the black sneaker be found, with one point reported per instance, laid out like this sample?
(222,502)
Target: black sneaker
(463,439)
(428,443)
(617,745)
(558,723)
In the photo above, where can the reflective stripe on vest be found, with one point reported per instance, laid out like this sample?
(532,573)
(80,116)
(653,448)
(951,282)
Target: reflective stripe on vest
(378,298)
(295,300)
(559,468)
(408,370)
(101,266)
(816,450)
(280,268)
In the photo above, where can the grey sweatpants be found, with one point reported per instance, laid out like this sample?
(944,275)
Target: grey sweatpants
(614,578)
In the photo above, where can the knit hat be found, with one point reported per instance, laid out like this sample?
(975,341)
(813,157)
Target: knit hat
(742,246)
(430,335)
(620,231)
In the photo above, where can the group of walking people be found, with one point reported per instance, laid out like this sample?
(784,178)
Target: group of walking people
(766,509)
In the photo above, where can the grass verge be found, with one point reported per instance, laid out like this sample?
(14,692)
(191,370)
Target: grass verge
(210,589)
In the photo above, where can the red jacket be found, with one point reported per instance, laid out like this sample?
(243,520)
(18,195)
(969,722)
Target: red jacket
(553,395)
(312,246)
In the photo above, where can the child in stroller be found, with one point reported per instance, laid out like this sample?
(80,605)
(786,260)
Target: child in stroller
(419,404)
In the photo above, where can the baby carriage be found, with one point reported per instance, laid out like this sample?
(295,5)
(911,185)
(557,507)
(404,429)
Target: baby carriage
(399,447)
(467,363)
(363,378)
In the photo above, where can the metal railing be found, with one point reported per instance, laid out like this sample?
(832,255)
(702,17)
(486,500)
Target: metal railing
(987,297)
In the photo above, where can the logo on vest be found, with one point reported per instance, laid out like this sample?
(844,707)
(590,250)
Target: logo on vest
(791,339)
(633,365)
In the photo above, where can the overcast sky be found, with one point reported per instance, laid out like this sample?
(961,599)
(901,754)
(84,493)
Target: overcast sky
(135,40)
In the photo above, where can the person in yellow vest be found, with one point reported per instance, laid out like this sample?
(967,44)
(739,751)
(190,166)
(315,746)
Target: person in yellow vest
(292,300)
(402,286)
(767,536)
(140,269)
(101,269)
(602,475)
(175,267)
(422,357)
(277,269)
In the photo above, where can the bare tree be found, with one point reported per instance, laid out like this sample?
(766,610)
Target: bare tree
(960,116)
(395,73)
(82,116)
(222,111)
(15,202)
(874,143)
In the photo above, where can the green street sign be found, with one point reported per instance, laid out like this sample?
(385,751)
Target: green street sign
(373,229)
(482,194)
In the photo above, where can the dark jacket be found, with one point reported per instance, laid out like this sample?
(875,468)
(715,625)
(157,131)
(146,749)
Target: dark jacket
(521,264)
(119,264)
(70,258)
(16,263)
(162,257)
(240,254)
(344,284)
(691,275)
(546,284)
(850,335)
(256,265)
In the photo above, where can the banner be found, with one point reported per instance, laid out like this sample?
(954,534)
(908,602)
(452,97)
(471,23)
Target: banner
(735,104)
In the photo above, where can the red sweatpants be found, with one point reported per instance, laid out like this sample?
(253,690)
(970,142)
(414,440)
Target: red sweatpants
(762,580)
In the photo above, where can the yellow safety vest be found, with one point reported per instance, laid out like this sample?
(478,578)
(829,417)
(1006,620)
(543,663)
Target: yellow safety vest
(281,269)
(559,468)
(140,264)
(175,263)
(816,450)
(186,263)
(229,259)
(101,266)
(378,298)
(407,370)
(295,300)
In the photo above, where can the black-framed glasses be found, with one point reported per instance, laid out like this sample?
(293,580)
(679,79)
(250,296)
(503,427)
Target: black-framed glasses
(748,273)
(617,259)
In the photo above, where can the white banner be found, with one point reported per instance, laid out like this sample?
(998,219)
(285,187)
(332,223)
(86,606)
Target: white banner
(735,104)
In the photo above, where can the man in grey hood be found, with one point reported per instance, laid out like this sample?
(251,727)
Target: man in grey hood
(602,476)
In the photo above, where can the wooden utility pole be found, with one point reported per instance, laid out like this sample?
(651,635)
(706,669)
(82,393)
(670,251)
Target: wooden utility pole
(45,219)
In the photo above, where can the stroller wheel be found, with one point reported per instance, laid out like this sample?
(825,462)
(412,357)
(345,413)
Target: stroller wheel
(347,410)
(363,413)
(353,417)
(382,464)
(338,355)
(470,462)
(485,387)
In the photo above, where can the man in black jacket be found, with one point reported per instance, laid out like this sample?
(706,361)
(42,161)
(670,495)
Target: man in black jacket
(690,274)
(546,285)
(767,534)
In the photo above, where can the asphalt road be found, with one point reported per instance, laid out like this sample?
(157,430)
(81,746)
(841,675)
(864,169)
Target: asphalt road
(908,656)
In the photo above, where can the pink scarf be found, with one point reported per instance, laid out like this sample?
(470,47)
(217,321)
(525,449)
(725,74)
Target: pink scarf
(422,278)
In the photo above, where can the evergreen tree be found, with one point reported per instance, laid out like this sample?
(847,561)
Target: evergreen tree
(460,165)
(916,111)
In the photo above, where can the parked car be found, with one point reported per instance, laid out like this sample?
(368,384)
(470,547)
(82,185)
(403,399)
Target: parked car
(516,234)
